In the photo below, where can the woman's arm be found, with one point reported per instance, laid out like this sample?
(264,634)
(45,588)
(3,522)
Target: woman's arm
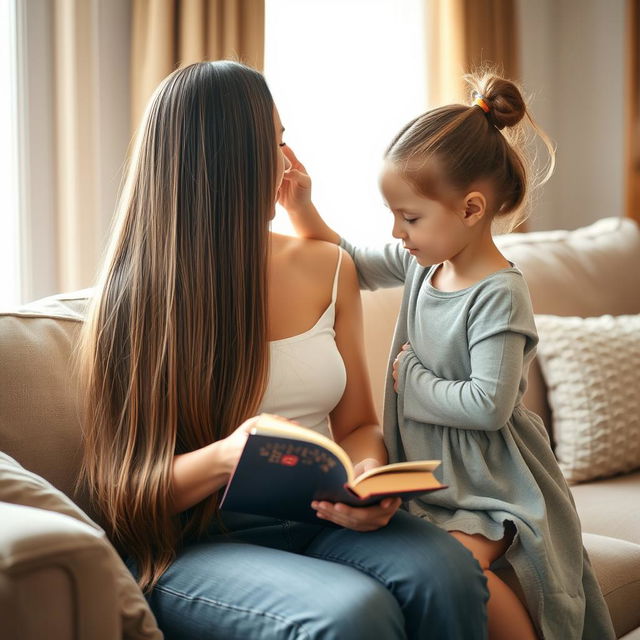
(354,422)
(200,473)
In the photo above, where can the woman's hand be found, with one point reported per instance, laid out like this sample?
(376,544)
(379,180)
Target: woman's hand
(358,518)
(231,447)
(396,364)
(295,190)
(199,473)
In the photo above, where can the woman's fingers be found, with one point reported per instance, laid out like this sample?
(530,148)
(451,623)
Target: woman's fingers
(358,518)
(293,159)
(294,175)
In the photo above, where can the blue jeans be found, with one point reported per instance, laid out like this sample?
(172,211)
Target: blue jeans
(273,579)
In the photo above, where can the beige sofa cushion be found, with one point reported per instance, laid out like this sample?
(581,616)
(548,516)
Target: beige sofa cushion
(609,507)
(39,413)
(22,487)
(617,565)
(586,272)
(590,366)
(56,578)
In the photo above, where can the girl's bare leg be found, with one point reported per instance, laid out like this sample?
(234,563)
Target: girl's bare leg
(508,618)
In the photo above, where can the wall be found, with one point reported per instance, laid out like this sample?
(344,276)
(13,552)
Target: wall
(572,60)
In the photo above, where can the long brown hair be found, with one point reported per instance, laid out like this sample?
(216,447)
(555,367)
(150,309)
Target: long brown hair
(175,352)
(467,144)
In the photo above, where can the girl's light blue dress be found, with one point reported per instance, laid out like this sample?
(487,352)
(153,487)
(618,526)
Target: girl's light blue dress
(459,399)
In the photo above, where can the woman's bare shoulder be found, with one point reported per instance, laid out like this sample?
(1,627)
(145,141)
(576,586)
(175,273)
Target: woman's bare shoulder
(303,253)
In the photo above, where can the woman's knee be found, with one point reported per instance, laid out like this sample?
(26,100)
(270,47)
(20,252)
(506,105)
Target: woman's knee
(441,566)
(361,613)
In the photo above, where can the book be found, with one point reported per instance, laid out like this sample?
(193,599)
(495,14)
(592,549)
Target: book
(284,466)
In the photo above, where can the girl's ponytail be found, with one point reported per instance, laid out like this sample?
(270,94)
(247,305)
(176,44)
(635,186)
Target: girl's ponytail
(453,147)
(503,98)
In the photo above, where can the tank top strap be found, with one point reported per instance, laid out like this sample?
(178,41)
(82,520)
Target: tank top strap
(334,293)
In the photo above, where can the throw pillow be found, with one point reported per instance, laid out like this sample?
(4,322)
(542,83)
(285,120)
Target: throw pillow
(591,369)
(20,486)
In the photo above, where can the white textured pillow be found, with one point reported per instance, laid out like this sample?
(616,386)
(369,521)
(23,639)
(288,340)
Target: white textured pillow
(592,367)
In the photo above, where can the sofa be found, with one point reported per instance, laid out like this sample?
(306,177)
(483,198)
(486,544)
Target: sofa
(59,576)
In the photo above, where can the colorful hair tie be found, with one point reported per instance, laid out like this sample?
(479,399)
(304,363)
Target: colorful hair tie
(480,101)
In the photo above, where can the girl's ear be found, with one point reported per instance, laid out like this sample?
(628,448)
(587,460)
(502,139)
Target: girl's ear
(475,206)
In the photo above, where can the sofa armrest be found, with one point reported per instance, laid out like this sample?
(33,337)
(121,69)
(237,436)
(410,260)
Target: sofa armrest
(56,578)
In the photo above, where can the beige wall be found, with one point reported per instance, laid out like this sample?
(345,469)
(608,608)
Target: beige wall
(573,61)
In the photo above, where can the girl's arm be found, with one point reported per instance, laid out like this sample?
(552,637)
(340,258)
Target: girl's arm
(500,328)
(484,402)
(379,267)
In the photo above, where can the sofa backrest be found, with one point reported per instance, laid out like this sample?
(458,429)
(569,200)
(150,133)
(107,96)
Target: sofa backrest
(590,271)
(39,402)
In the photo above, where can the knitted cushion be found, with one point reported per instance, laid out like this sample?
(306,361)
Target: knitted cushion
(591,367)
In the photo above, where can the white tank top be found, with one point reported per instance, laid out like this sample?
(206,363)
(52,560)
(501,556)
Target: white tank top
(307,376)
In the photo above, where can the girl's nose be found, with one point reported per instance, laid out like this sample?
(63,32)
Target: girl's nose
(396,232)
(287,163)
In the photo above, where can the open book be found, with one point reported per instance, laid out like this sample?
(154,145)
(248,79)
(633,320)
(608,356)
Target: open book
(284,466)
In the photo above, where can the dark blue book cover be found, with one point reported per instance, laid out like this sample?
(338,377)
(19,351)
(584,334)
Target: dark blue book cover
(279,476)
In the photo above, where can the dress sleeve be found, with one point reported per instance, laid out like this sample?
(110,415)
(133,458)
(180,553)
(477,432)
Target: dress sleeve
(484,402)
(380,266)
(497,340)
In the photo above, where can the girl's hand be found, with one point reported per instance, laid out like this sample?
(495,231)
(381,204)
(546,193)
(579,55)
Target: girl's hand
(396,364)
(295,190)
(358,518)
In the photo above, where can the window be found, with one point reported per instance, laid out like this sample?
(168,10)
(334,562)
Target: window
(10,285)
(346,75)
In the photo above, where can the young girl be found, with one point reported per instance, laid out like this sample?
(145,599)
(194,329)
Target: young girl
(463,343)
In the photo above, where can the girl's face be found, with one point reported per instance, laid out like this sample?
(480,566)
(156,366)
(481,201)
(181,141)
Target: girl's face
(283,163)
(429,230)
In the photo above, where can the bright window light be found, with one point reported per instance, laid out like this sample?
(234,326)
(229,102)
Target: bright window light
(9,184)
(346,75)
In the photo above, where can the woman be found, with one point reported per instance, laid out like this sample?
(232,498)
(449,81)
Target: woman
(202,319)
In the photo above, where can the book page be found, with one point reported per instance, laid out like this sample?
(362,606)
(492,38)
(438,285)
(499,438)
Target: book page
(398,482)
(416,465)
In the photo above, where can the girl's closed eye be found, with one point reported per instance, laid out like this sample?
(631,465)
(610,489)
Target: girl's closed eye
(407,217)
(282,144)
